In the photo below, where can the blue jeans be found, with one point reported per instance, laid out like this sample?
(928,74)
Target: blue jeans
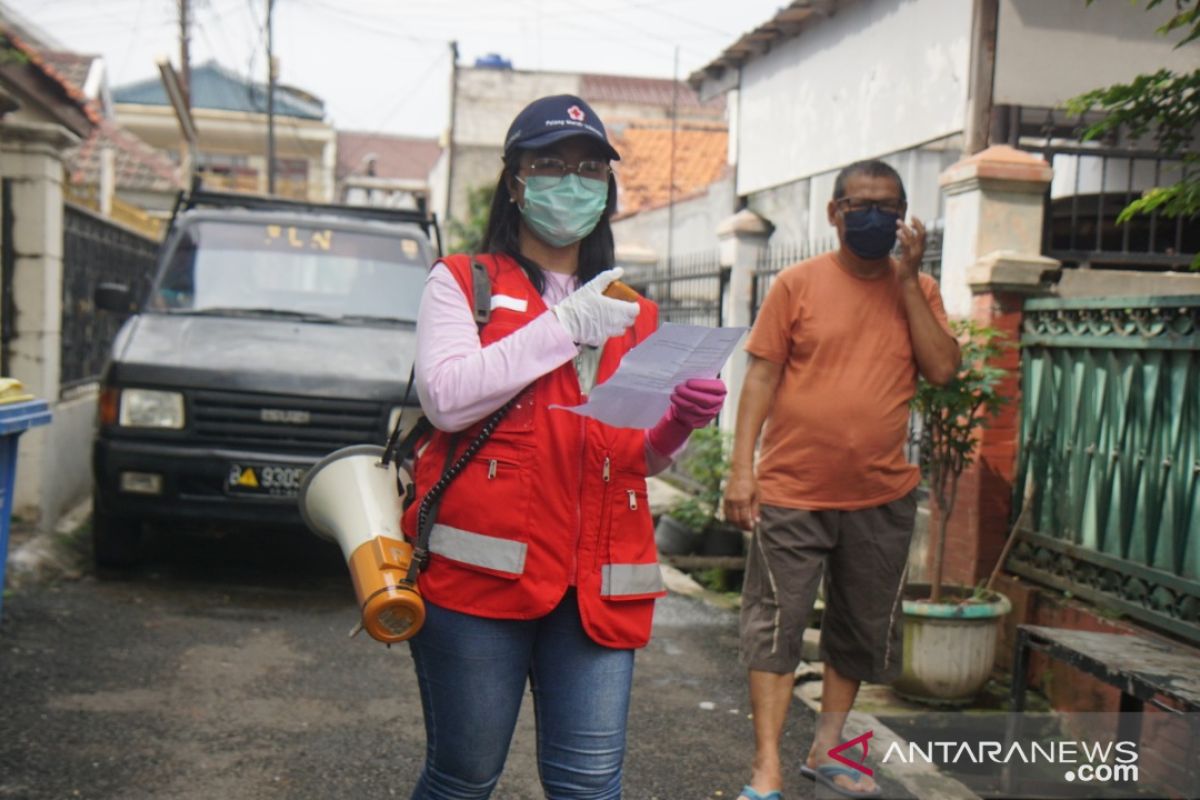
(472,673)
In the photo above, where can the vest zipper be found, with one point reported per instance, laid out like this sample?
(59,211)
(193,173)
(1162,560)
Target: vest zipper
(632,499)
(491,469)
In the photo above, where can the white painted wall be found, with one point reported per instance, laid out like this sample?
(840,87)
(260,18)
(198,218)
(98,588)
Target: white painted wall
(694,222)
(876,78)
(1050,50)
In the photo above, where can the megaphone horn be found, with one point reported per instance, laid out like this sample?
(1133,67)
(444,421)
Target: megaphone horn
(350,497)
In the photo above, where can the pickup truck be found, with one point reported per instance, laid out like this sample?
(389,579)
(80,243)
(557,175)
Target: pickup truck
(273,332)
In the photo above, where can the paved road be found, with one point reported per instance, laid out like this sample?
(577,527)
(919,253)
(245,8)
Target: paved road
(221,669)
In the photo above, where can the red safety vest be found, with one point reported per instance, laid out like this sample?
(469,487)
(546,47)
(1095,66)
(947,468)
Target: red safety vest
(552,499)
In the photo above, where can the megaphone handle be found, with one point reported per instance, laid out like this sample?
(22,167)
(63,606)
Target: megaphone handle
(427,512)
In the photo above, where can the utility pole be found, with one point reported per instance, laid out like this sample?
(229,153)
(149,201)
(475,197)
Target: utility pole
(185,60)
(270,103)
(671,174)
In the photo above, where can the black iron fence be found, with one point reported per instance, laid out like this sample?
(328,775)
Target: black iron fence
(1091,187)
(1093,182)
(775,258)
(689,289)
(95,251)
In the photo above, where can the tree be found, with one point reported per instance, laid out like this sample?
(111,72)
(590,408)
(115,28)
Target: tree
(467,236)
(951,416)
(1165,104)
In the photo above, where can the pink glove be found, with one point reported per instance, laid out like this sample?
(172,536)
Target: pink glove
(694,403)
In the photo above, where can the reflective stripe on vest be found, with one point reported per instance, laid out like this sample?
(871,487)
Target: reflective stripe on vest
(478,549)
(630,579)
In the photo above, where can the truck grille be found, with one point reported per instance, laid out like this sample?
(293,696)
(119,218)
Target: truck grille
(303,424)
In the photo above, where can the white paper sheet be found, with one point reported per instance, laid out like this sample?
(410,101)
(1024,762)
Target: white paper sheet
(639,392)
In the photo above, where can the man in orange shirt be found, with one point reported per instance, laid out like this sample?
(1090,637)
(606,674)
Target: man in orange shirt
(834,357)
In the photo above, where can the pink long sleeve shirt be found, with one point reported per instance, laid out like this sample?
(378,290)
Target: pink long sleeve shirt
(460,382)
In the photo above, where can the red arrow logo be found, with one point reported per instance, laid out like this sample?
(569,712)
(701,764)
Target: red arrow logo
(836,753)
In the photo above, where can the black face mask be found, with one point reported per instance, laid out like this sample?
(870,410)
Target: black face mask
(871,233)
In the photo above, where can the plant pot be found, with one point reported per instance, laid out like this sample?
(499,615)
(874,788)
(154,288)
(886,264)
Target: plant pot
(673,538)
(949,648)
(721,539)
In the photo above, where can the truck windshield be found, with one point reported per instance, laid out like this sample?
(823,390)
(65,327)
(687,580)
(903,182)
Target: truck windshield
(224,267)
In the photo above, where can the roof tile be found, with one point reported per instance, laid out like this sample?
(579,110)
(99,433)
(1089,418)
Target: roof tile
(400,157)
(644,171)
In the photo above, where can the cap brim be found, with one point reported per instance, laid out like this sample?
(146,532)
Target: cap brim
(555,136)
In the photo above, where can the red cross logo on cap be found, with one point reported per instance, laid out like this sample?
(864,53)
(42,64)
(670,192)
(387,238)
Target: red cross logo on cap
(575,113)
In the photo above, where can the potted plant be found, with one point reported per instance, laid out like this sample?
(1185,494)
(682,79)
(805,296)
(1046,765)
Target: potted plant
(693,525)
(950,632)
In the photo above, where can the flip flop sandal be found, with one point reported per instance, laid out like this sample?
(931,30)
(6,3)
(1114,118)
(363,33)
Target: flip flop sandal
(825,773)
(749,793)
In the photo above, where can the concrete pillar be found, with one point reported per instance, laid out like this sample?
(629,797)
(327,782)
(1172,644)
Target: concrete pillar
(994,201)
(743,238)
(994,215)
(31,158)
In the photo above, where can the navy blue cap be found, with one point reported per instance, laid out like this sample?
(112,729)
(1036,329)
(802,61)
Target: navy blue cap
(550,119)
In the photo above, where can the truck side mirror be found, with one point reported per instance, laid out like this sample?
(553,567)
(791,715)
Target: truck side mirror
(114,297)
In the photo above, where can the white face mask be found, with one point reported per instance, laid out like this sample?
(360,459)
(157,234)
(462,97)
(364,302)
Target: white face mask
(565,211)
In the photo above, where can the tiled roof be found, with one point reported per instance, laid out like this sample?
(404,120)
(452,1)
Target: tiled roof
(218,88)
(644,171)
(75,67)
(402,157)
(70,92)
(137,165)
(644,91)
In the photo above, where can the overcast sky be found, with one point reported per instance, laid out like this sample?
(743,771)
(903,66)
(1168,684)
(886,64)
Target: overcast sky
(383,65)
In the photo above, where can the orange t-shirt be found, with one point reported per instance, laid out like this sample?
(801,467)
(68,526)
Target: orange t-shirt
(835,434)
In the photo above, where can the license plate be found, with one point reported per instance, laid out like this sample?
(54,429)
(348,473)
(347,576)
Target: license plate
(271,480)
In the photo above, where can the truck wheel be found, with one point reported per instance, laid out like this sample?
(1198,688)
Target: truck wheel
(115,539)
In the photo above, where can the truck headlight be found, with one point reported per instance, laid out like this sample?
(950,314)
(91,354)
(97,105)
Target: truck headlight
(146,408)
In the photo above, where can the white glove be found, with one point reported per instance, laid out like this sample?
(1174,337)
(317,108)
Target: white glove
(590,317)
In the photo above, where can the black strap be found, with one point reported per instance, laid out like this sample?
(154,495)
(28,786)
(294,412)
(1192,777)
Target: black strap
(481,289)
(398,451)
(427,512)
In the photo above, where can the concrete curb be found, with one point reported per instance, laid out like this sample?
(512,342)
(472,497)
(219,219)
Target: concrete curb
(924,781)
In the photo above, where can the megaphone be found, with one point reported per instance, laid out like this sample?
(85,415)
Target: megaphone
(351,497)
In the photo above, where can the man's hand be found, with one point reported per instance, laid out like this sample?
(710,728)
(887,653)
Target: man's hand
(912,249)
(741,499)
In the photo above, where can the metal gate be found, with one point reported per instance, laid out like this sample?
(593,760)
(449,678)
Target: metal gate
(1110,437)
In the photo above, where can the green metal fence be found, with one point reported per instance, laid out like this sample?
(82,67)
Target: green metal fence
(1110,437)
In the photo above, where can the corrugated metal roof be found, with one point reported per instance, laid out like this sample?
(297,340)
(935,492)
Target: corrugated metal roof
(215,87)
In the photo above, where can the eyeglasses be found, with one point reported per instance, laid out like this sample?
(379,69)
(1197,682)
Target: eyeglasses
(849,204)
(556,168)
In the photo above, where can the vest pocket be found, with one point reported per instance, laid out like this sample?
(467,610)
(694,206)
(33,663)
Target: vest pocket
(483,523)
(629,563)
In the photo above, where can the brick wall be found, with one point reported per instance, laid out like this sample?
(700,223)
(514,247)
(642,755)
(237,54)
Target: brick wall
(980,523)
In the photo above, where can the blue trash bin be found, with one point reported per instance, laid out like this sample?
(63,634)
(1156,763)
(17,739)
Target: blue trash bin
(15,419)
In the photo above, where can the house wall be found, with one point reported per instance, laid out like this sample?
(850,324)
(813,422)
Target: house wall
(798,209)
(485,103)
(1047,52)
(693,221)
(876,78)
(236,133)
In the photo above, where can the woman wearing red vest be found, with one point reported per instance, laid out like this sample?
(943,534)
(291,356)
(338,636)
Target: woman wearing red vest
(542,563)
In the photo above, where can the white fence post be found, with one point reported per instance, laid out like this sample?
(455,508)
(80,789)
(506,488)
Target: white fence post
(31,155)
(742,237)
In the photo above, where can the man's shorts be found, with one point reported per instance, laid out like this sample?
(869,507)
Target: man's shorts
(863,555)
